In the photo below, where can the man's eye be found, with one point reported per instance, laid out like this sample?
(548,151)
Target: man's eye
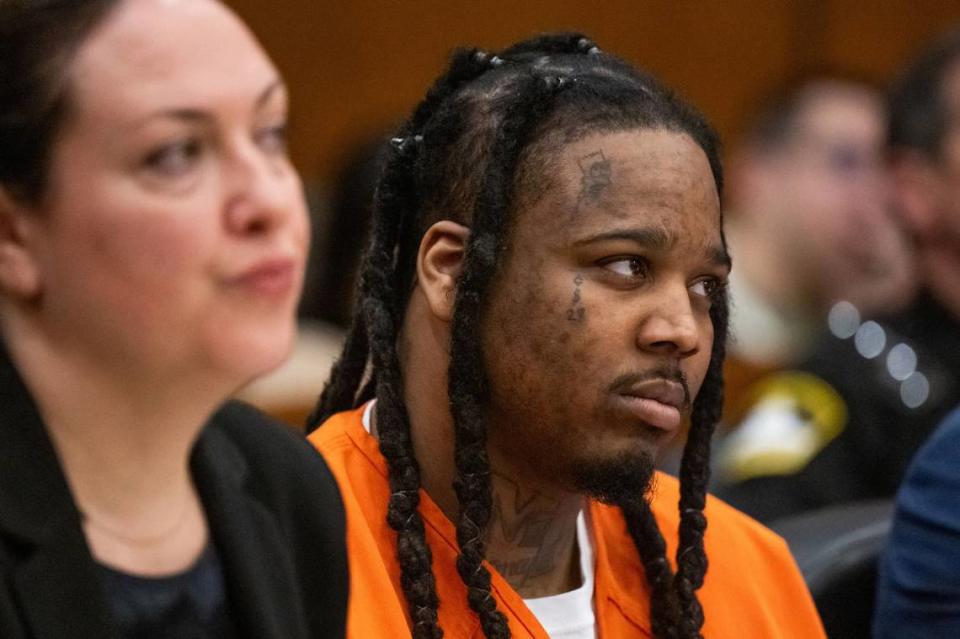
(176,159)
(635,267)
(709,287)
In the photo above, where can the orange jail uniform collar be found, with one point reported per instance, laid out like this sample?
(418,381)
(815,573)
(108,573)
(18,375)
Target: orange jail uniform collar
(752,588)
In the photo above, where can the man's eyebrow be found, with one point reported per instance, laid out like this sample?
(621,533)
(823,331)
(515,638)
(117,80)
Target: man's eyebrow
(718,256)
(651,237)
(654,239)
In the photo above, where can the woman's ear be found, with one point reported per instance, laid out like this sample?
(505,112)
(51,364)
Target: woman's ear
(439,264)
(19,271)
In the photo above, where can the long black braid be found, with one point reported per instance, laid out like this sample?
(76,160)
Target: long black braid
(469,387)
(694,475)
(491,112)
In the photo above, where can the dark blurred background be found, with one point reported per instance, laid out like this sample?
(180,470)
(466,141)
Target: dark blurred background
(356,67)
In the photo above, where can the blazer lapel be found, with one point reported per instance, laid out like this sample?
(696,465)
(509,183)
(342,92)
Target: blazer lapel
(259,576)
(53,576)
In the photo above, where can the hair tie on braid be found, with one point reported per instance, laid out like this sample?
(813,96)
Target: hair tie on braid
(586,46)
(485,58)
(682,555)
(557,82)
(405,146)
(661,571)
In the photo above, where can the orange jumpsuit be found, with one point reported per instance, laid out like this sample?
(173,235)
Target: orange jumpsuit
(752,589)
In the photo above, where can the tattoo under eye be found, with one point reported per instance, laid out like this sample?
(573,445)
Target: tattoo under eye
(577,312)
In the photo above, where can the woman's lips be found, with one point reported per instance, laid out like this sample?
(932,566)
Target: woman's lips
(273,277)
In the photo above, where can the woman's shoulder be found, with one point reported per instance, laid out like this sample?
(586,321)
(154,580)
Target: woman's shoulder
(278,463)
(253,431)
(290,503)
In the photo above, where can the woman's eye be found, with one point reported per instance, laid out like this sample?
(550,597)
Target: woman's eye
(174,160)
(273,139)
(635,267)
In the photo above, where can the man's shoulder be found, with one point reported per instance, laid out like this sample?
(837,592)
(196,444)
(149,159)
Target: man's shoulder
(355,460)
(333,434)
(729,531)
(261,440)
(748,563)
(727,527)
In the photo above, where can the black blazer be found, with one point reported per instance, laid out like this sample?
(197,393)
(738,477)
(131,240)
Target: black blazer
(273,509)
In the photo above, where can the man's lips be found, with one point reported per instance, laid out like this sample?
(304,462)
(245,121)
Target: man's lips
(658,402)
(652,412)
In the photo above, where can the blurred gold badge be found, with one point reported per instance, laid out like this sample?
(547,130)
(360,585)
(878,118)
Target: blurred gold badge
(793,415)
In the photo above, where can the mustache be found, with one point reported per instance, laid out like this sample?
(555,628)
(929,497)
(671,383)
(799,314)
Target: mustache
(623,383)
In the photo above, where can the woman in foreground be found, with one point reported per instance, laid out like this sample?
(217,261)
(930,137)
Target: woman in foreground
(152,240)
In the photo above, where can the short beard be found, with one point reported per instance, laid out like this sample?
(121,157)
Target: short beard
(623,480)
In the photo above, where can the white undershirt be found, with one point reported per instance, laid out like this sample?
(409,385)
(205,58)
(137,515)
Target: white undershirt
(568,615)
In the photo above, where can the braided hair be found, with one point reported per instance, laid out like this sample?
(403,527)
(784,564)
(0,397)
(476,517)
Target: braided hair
(500,112)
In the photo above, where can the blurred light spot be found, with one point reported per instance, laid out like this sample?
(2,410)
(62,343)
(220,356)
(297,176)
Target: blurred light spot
(870,339)
(915,390)
(844,320)
(901,362)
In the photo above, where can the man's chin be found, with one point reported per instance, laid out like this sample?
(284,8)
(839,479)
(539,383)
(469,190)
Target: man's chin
(618,481)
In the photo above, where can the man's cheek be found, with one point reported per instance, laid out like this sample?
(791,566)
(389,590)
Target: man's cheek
(696,374)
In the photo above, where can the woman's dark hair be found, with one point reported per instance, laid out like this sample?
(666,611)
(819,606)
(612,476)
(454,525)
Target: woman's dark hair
(38,39)
(476,146)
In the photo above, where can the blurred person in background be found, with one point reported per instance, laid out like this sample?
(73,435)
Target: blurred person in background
(919,584)
(152,241)
(872,391)
(918,590)
(809,223)
(341,235)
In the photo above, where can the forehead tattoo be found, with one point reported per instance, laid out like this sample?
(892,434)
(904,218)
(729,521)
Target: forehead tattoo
(597,175)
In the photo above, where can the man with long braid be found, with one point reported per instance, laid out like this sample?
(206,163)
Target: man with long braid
(542,305)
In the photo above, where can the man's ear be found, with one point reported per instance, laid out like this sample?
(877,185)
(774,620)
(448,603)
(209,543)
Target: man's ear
(918,193)
(439,264)
(19,271)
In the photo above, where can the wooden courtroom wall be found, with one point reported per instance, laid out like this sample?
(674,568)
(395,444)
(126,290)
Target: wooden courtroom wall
(356,66)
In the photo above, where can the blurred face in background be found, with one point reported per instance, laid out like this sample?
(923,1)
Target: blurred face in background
(937,218)
(822,197)
(172,235)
